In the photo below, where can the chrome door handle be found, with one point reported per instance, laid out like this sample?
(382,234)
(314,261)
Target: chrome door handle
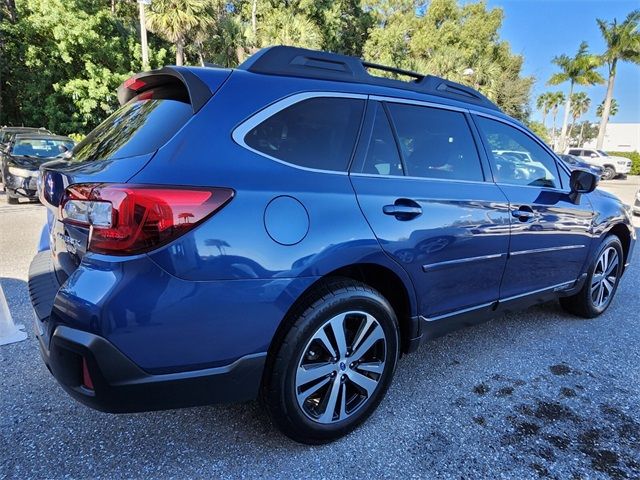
(524,214)
(403,209)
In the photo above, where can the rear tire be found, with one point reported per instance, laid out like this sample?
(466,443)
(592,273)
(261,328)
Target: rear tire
(335,363)
(602,281)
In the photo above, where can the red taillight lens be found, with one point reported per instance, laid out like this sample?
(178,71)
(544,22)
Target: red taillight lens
(128,219)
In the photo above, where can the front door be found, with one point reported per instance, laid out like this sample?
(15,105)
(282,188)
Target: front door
(420,183)
(551,229)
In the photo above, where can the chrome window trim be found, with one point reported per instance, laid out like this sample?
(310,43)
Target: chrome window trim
(547,249)
(458,261)
(419,103)
(559,163)
(447,180)
(240,132)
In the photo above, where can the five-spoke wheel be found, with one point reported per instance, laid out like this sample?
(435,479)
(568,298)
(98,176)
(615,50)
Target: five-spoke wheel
(340,366)
(335,363)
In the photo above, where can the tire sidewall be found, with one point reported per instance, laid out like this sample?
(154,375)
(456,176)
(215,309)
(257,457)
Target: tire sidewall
(360,300)
(610,241)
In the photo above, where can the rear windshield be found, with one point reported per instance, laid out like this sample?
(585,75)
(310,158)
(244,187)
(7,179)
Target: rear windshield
(41,147)
(140,126)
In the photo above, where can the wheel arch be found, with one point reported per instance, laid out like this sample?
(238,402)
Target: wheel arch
(621,231)
(395,287)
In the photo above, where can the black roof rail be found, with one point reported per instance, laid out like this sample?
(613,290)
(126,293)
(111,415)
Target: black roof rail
(300,62)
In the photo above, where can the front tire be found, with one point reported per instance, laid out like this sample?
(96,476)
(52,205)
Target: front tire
(608,173)
(11,200)
(602,281)
(335,363)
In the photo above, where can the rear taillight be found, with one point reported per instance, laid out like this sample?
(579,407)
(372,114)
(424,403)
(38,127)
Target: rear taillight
(128,219)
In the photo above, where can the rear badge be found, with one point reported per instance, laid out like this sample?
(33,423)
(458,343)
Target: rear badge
(71,243)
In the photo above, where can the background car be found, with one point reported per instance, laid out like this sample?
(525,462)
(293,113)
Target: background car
(22,159)
(612,166)
(574,162)
(636,204)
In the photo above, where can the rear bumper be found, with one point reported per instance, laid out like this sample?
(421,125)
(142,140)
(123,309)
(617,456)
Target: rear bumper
(119,384)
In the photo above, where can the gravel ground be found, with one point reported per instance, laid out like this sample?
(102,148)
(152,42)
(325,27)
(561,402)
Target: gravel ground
(527,395)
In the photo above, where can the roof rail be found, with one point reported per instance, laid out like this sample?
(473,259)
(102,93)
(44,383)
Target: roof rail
(300,62)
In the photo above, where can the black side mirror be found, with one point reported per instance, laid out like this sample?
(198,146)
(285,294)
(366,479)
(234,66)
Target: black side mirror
(583,181)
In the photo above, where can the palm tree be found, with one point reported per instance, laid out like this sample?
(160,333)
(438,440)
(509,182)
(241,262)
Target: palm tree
(543,103)
(613,108)
(623,44)
(174,20)
(580,104)
(580,70)
(555,100)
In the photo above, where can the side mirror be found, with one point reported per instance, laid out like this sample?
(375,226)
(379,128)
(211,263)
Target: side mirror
(593,155)
(583,181)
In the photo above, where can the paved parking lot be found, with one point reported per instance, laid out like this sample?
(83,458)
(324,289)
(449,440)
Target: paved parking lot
(528,395)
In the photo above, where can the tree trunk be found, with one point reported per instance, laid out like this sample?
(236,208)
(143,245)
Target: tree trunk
(254,24)
(569,133)
(581,133)
(113,7)
(11,8)
(554,114)
(180,52)
(565,121)
(544,119)
(606,109)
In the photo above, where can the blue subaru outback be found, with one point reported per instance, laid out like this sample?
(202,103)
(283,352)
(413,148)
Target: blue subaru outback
(287,229)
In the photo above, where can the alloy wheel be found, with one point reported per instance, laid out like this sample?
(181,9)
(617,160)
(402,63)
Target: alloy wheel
(341,367)
(605,277)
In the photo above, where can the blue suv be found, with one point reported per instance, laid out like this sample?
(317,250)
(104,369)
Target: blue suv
(287,229)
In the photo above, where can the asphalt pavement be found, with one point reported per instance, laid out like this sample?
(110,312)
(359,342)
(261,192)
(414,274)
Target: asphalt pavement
(536,394)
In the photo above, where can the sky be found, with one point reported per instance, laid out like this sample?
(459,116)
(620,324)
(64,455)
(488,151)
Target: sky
(542,29)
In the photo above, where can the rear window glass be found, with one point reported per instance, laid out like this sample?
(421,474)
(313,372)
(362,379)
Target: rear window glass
(317,133)
(136,128)
(41,147)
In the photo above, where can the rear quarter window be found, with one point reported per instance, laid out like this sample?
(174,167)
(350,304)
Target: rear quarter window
(139,127)
(317,133)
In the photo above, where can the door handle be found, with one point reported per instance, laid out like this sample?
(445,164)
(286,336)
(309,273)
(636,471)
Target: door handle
(403,209)
(524,213)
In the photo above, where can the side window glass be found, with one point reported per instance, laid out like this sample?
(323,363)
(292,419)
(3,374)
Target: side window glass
(516,158)
(382,154)
(436,143)
(316,133)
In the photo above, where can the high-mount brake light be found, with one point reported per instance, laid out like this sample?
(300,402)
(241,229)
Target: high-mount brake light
(134,84)
(127,219)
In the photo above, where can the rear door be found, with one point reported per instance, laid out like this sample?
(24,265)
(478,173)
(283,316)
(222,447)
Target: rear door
(551,229)
(420,182)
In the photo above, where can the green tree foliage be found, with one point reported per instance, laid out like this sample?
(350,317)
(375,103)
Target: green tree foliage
(62,60)
(459,42)
(613,108)
(581,69)
(580,104)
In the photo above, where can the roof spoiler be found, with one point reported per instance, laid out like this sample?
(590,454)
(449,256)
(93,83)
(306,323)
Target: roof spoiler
(198,91)
(300,62)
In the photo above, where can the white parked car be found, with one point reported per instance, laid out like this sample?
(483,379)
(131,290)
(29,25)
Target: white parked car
(612,166)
